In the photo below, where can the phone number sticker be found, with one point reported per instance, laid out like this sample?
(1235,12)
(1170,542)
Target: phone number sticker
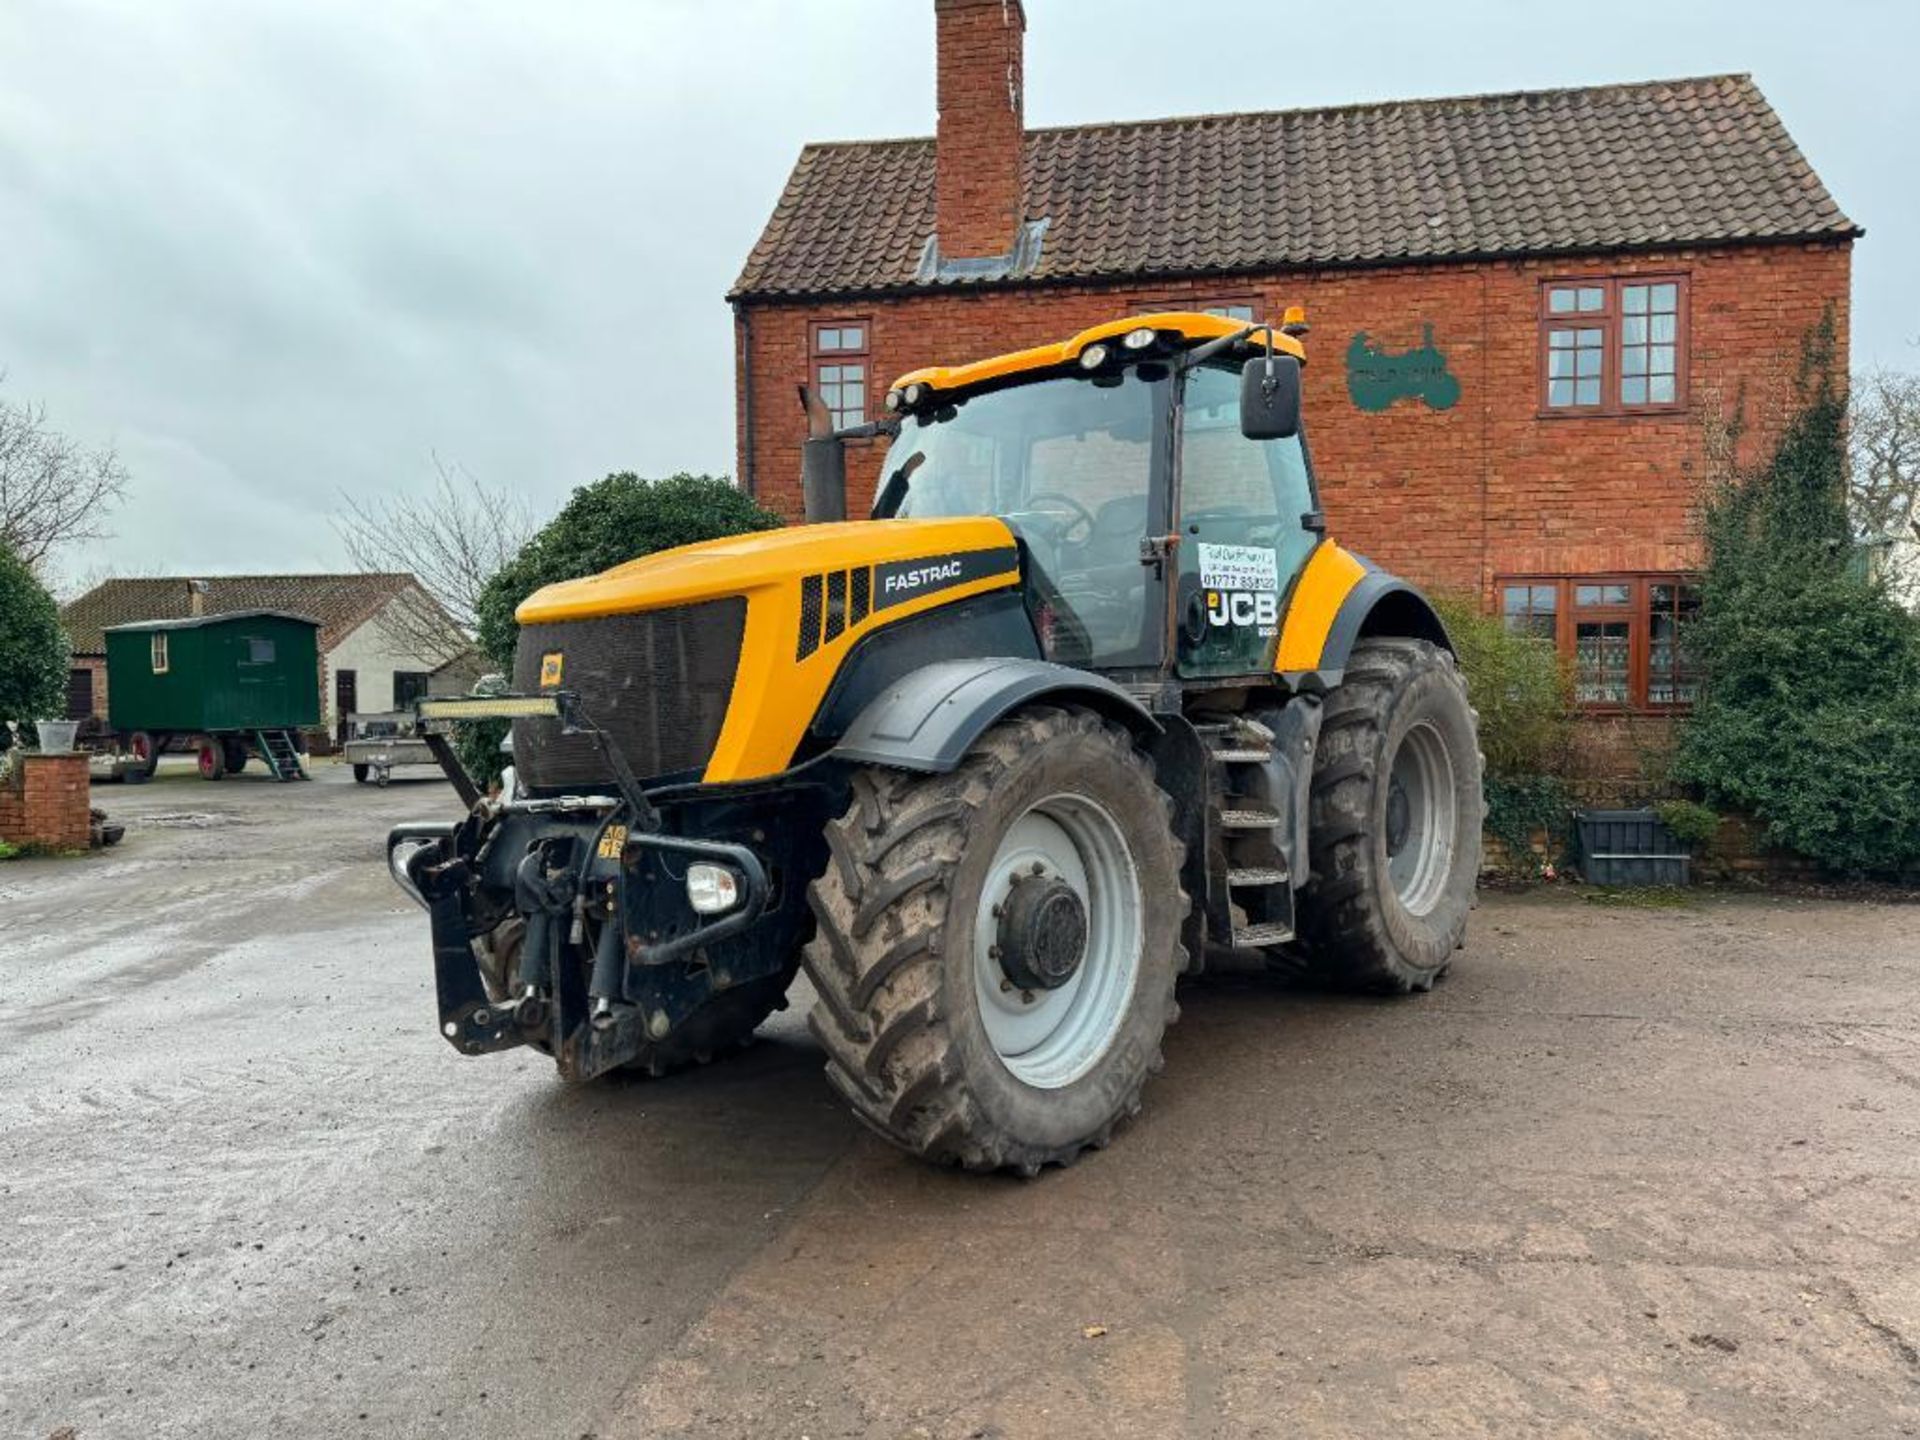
(1239,567)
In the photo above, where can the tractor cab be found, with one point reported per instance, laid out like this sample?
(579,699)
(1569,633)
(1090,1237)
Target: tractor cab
(1157,532)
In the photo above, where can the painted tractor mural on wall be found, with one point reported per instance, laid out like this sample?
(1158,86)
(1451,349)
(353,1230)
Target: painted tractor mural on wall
(1377,378)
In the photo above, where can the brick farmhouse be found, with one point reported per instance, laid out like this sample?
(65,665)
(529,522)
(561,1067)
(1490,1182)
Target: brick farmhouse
(1523,306)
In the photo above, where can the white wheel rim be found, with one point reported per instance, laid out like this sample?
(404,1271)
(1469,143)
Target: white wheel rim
(1420,856)
(1057,1036)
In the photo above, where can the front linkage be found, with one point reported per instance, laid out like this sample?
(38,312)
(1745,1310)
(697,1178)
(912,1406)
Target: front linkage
(621,930)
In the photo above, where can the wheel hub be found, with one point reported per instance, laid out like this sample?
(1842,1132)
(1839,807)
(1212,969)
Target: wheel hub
(1042,936)
(1399,816)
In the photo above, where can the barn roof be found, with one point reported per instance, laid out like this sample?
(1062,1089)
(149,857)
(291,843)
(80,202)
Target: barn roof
(1612,167)
(338,603)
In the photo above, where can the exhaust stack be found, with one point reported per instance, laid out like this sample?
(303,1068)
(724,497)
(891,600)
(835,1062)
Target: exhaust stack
(823,464)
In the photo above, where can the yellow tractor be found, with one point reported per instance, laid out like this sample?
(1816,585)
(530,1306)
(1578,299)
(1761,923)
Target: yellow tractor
(1089,696)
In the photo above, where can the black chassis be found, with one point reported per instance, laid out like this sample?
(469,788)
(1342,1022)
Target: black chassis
(613,957)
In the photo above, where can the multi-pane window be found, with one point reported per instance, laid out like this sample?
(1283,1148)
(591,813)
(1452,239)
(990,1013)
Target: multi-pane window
(1624,636)
(1612,346)
(1603,636)
(157,649)
(1532,609)
(1649,343)
(1241,310)
(1671,676)
(841,364)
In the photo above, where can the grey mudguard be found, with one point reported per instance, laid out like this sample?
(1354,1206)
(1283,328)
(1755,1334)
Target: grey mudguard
(1381,604)
(926,720)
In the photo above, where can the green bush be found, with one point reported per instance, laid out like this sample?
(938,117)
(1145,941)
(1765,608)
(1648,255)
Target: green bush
(1520,686)
(1810,672)
(33,651)
(605,524)
(1690,822)
(476,743)
(1523,693)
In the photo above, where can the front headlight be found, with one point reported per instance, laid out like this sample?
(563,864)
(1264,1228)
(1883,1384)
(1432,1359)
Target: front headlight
(712,889)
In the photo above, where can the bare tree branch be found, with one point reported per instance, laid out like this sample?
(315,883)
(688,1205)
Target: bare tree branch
(452,540)
(53,490)
(1884,444)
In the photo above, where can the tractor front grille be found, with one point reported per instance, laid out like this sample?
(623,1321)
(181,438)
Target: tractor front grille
(657,681)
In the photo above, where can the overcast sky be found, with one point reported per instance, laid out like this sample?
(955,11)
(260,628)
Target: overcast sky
(276,249)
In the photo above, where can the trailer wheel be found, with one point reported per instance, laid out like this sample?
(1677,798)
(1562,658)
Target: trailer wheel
(145,747)
(213,761)
(1394,830)
(998,946)
(360,774)
(235,753)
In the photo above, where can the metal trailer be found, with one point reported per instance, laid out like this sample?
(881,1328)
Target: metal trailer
(229,686)
(378,742)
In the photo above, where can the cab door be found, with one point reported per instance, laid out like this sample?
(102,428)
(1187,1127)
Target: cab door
(1247,523)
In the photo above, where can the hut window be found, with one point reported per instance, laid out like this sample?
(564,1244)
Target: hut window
(259,652)
(159,639)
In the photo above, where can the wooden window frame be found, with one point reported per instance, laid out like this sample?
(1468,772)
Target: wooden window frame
(1637,612)
(819,357)
(157,652)
(1610,318)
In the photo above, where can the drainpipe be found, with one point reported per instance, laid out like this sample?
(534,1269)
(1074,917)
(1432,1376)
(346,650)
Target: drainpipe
(743,318)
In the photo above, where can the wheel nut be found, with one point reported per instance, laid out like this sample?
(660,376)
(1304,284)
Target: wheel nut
(1026,997)
(1005,985)
(1038,868)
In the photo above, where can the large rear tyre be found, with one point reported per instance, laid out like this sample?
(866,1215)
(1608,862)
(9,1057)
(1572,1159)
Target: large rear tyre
(1394,831)
(212,761)
(997,947)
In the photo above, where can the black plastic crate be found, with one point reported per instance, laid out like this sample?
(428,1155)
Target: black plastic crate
(1630,848)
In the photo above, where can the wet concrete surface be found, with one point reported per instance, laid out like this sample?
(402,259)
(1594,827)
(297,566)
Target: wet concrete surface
(1627,1172)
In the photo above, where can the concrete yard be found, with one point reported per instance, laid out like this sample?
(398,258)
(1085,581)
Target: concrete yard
(1628,1172)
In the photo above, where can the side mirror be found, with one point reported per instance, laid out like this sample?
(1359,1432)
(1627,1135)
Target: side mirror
(1270,398)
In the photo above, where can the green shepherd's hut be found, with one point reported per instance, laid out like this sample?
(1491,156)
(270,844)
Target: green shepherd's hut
(235,685)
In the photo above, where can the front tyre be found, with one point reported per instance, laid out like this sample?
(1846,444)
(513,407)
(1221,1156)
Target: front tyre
(997,947)
(1394,830)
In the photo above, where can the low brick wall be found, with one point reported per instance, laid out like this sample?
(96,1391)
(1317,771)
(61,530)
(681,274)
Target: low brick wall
(44,801)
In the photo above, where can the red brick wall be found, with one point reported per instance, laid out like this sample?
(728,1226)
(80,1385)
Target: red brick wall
(44,801)
(1449,498)
(98,665)
(981,130)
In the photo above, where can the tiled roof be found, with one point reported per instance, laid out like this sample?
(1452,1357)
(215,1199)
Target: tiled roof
(341,603)
(1613,167)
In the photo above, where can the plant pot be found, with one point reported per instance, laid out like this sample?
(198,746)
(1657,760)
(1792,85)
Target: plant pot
(1630,848)
(56,736)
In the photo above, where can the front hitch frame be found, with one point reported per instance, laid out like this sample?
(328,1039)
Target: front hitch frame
(436,865)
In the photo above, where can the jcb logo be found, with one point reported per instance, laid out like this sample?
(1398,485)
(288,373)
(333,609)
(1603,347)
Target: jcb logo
(1243,607)
(551,666)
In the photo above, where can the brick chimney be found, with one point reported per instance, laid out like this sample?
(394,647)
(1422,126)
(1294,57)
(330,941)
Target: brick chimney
(197,597)
(980,93)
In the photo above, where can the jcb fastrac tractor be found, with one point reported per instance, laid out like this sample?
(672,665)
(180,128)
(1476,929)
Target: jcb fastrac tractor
(1089,695)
